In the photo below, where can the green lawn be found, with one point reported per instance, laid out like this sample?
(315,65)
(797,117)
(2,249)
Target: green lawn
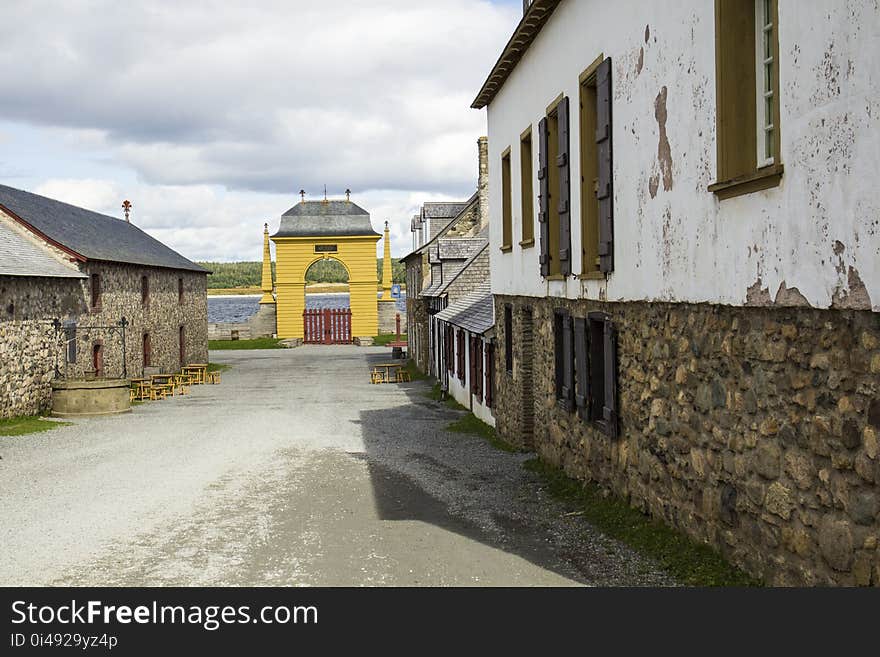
(384,338)
(692,563)
(19,426)
(217,367)
(258,343)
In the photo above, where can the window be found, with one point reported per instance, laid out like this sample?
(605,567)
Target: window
(554,217)
(179,290)
(145,290)
(747,96)
(148,350)
(96,291)
(476,362)
(527,199)
(564,357)
(506,218)
(508,338)
(596,174)
(595,367)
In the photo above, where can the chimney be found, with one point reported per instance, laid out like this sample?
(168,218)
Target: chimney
(483,181)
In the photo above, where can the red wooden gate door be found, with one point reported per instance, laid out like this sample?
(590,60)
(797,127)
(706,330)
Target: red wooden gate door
(327,326)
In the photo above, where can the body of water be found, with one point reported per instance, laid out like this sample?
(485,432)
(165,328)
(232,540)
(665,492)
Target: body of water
(240,308)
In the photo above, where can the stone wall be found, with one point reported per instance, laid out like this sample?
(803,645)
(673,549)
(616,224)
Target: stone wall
(477,272)
(752,429)
(28,345)
(161,317)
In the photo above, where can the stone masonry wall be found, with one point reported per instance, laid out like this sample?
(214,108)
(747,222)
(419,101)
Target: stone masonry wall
(477,272)
(161,317)
(752,429)
(28,346)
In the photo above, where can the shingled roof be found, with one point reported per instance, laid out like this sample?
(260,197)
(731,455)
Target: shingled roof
(325,219)
(19,256)
(474,313)
(88,235)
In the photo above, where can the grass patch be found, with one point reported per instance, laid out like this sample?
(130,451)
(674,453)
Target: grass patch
(258,343)
(436,394)
(20,426)
(470,423)
(383,339)
(217,367)
(690,562)
(415,374)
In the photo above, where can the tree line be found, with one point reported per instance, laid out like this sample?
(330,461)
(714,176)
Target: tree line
(249,274)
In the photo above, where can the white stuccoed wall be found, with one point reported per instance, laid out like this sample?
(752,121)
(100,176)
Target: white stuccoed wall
(683,244)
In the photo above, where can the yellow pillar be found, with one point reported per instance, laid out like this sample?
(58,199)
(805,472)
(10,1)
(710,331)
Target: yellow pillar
(386,267)
(267,269)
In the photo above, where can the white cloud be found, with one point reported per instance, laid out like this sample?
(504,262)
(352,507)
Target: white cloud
(215,115)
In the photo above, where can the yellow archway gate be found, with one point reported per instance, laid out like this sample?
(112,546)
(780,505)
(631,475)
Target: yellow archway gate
(314,230)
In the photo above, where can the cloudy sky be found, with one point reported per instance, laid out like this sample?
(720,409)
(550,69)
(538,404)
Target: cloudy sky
(210,116)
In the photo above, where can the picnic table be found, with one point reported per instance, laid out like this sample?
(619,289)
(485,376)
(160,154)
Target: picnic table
(198,371)
(385,370)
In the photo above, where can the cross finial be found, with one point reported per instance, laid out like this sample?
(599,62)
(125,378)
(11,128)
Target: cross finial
(386,224)
(348,195)
(126,208)
(325,193)
(265,228)
(302,194)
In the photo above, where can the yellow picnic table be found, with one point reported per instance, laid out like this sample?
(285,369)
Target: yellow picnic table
(198,371)
(386,368)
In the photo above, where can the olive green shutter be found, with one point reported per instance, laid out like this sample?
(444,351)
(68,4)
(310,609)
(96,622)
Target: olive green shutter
(543,198)
(568,363)
(605,193)
(562,162)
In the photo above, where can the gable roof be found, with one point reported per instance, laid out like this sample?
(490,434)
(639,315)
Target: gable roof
(88,235)
(474,312)
(465,207)
(452,268)
(525,33)
(20,256)
(325,219)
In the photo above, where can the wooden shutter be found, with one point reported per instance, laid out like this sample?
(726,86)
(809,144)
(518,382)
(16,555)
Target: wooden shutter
(478,367)
(472,363)
(605,193)
(564,206)
(609,410)
(70,340)
(490,374)
(568,363)
(581,369)
(461,355)
(543,198)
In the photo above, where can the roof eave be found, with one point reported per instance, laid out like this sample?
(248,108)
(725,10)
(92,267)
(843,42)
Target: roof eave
(525,33)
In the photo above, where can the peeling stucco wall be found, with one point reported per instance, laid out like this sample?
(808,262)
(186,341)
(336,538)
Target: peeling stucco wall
(812,241)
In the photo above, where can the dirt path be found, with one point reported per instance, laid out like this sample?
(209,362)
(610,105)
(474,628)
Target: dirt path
(295,471)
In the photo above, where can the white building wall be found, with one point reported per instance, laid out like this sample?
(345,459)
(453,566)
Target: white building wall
(819,231)
(461,392)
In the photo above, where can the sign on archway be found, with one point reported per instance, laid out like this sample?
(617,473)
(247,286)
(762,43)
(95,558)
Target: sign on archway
(317,230)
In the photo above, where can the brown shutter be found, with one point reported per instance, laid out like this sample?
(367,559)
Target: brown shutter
(568,363)
(472,363)
(478,342)
(490,374)
(605,193)
(562,162)
(543,198)
(581,369)
(609,410)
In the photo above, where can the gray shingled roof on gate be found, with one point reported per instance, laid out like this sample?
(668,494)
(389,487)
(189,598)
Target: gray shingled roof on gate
(474,313)
(325,219)
(91,235)
(19,256)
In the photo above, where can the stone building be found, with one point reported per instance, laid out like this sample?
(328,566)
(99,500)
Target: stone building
(428,284)
(686,268)
(466,363)
(88,271)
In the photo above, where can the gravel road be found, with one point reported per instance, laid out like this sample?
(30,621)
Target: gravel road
(294,471)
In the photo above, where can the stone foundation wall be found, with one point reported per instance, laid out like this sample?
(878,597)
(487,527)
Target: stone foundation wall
(263,324)
(752,429)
